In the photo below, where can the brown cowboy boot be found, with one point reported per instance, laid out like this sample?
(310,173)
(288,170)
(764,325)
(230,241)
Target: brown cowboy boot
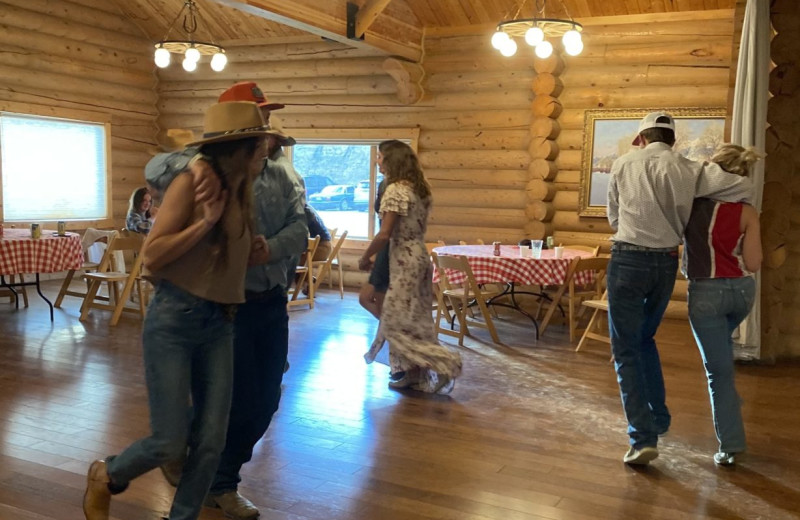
(97,498)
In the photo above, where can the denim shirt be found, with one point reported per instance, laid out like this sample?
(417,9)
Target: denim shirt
(278,215)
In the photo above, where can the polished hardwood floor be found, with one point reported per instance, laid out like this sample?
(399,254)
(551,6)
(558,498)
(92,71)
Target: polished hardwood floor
(532,430)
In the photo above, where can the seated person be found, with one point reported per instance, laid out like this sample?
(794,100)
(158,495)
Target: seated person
(140,212)
(317,227)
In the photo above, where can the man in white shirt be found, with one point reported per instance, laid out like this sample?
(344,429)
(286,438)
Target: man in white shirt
(650,196)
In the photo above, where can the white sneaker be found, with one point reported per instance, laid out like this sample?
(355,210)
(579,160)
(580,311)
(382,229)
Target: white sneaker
(641,456)
(723,458)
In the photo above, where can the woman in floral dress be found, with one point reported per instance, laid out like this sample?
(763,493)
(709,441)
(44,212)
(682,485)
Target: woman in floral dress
(416,358)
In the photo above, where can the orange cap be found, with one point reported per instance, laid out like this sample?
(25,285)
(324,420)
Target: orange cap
(248,91)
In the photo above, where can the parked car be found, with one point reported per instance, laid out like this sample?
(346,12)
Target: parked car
(361,196)
(315,183)
(336,196)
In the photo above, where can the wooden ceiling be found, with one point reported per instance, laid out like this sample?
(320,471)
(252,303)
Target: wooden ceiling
(394,26)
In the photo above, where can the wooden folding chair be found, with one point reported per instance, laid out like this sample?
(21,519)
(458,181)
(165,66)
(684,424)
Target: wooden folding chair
(302,274)
(325,267)
(90,237)
(460,297)
(595,330)
(575,293)
(133,245)
(594,250)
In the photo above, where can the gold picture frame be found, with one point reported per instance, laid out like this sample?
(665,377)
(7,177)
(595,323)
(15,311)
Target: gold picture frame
(608,134)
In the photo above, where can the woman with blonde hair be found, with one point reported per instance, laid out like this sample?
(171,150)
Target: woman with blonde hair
(722,251)
(196,255)
(416,358)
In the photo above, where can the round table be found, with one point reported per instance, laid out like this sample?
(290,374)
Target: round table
(511,269)
(51,253)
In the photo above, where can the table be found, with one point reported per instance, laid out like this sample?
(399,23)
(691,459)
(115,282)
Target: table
(512,270)
(21,254)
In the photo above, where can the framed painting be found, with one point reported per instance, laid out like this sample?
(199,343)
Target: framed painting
(608,134)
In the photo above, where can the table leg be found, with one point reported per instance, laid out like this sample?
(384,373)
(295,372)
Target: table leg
(11,286)
(39,290)
(509,291)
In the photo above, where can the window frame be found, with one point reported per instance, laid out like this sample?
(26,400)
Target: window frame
(371,136)
(78,116)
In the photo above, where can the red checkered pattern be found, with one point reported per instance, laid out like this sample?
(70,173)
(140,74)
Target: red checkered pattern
(21,254)
(510,267)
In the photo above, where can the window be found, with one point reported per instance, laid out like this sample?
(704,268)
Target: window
(53,168)
(341,174)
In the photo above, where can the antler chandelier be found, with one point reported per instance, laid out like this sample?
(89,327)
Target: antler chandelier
(190,48)
(536,31)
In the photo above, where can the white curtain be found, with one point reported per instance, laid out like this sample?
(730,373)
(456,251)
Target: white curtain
(749,129)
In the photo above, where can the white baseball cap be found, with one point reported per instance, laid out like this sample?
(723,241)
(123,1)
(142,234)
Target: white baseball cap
(651,120)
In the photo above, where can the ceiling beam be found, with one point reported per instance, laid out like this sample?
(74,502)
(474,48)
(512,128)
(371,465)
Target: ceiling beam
(312,20)
(368,13)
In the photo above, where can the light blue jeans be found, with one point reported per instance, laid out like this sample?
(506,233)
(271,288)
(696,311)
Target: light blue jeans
(716,307)
(188,350)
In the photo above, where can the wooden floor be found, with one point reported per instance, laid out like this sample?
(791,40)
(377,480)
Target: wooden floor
(531,431)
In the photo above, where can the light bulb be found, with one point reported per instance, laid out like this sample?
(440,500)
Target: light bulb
(498,39)
(218,61)
(534,36)
(509,48)
(189,65)
(162,57)
(574,48)
(570,37)
(544,49)
(192,54)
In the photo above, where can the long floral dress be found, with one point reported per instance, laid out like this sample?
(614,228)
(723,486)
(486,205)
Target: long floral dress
(406,320)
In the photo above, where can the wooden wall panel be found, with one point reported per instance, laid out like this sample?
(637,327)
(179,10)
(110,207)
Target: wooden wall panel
(70,55)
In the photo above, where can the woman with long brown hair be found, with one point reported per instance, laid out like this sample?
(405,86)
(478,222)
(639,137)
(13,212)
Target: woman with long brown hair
(196,255)
(416,358)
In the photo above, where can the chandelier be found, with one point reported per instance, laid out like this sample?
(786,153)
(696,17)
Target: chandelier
(536,31)
(190,48)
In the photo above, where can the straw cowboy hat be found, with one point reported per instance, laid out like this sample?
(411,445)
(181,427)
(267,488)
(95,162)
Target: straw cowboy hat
(176,139)
(232,120)
(276,129)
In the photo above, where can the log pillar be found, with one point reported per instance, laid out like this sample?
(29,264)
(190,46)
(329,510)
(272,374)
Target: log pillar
(780,239)
(543,149)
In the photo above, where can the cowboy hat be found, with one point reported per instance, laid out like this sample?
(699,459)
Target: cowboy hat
(248,91)
(176,139)
(230,121)
(276,129)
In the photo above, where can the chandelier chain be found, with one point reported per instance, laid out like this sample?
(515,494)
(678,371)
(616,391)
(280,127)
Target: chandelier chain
(172,23)
(190,20)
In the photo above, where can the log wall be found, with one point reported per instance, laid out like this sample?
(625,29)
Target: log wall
(59,54)
(780,303)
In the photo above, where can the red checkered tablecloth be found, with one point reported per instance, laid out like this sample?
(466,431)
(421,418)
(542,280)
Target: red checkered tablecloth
(21,254)
(510,267)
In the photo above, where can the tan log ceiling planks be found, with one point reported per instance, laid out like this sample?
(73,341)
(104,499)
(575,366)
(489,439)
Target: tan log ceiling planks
(395,26)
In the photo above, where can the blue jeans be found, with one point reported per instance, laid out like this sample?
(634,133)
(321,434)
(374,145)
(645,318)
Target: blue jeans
(188,350)
(716,308)
(639,288)
(261,343)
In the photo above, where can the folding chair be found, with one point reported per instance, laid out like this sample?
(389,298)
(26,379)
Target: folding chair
(324,267)
(594,329)
(132,244)
(302,274)
(575,293)
(460,298)
(90,237)
(588,249)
